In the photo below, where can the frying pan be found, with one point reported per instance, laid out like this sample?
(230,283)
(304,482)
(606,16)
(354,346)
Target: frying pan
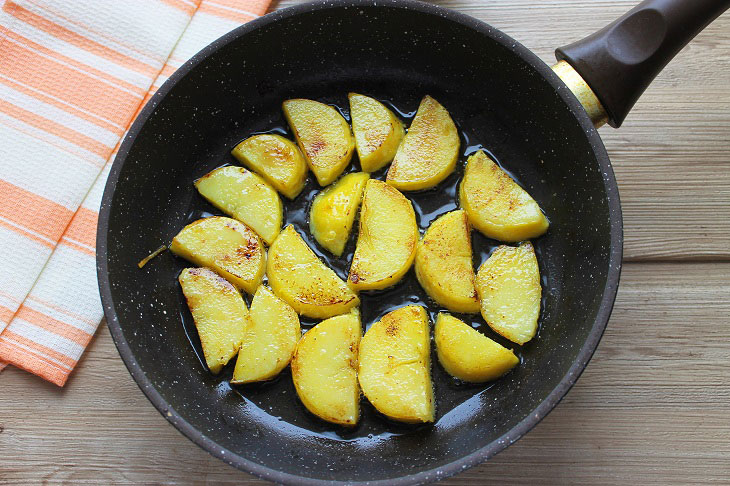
(503,98)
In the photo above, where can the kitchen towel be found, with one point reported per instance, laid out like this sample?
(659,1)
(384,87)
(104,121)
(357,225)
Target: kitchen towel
(73,75)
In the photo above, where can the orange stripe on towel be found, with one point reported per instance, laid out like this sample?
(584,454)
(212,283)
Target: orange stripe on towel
(34,212)
(51,353)
(55,326)
(234,15)
(41,49)
(83,227)
(6,314)
(63,105)
(32,362)
(28,67)
(67,312)
(67,35)
(44,124)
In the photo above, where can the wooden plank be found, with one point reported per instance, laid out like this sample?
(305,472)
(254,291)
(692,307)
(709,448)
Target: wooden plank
(651,407)
(671,157)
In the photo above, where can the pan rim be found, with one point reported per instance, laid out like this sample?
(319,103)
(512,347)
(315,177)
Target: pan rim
(465,462)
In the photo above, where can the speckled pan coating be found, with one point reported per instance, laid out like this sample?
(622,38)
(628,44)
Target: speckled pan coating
(499,93)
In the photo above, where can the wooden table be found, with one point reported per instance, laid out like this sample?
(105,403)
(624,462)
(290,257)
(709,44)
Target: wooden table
(653,406)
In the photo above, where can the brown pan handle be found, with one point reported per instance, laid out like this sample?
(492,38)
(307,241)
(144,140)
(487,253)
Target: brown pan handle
(619,61)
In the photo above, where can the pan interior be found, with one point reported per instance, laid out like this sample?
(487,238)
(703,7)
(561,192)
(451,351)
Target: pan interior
(500,103)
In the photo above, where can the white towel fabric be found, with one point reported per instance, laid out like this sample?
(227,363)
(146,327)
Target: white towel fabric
(73,75)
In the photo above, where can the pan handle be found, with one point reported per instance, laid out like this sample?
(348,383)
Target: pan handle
(610,69)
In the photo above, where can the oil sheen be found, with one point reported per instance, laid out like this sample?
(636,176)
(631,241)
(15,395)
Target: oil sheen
(454,399)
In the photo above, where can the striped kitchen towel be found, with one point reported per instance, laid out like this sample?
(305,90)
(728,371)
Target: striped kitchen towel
(73,75)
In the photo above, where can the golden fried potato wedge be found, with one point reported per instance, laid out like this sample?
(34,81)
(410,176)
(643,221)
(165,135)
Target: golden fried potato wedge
(324,137)
(268,343)
(246,197)
(276,159)
(386,243)
(496,205)
(444,265)
(324,369)
(303,281)
(395,365)
(378,132)
(229,247)
(334,209)
(509,287)
(429,150)
(468,354)
(219,313)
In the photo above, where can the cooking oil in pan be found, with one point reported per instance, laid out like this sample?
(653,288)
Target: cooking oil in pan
(275,402)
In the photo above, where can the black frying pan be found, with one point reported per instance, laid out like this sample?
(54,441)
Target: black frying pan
(503,99)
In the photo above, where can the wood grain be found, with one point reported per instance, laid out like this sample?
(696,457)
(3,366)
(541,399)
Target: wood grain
(672,155)
(651,408)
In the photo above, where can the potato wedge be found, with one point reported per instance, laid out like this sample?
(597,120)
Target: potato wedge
(468,354)
(303,281)
(444,265)
(324,369)
(395,365)
(496,205)
(509,287)
(386,243)
(334,209)
(276,159)
(246,197)
(268,343)
(378,132)
(429,150)
(229,247)
(219,313)
(324,137)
